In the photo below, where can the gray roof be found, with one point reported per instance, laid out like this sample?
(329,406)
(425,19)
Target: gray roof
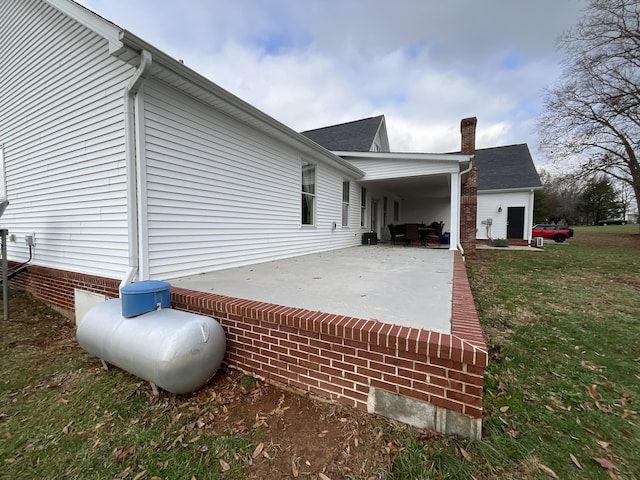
(502,168)
(356,136)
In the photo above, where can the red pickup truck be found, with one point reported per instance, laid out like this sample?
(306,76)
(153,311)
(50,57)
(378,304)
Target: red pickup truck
(559,233)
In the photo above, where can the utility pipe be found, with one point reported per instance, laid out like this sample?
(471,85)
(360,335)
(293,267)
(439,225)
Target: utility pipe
(131,161)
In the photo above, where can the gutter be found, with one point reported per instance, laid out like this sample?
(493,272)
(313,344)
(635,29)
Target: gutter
(131,161)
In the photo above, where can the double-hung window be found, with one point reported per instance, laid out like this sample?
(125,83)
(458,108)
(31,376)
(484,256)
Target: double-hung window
(345,203)
(363,206)
(308,193)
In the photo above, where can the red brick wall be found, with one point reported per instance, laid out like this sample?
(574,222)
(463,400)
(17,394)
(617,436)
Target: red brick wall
(331,356)
(55,287)
(469,200)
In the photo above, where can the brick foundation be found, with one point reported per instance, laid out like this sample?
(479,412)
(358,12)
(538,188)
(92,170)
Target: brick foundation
(342,359)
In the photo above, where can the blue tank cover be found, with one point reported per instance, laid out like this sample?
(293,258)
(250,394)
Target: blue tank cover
(145,296)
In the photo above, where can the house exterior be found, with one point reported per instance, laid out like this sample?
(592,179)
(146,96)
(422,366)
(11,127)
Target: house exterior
(405,187)
(122,164)
(507,180)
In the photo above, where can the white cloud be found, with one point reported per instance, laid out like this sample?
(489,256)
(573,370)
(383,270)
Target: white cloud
(424,64)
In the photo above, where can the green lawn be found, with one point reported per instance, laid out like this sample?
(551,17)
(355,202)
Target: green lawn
(562,390)
(562,393)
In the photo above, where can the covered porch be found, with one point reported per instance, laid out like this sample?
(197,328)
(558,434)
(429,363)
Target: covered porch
(412,188)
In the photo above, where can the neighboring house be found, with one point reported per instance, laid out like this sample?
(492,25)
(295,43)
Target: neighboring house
(507,180)
(123,164)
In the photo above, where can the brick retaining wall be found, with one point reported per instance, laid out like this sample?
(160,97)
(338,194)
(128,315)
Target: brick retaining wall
(355,362)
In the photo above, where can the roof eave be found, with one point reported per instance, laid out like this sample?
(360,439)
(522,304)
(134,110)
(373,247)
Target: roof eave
(448,157)
(509,190)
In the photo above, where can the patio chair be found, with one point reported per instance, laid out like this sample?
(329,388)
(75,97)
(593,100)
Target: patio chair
(396,233)
(411,233)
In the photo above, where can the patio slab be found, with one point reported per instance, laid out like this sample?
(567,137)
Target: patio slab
(407,286)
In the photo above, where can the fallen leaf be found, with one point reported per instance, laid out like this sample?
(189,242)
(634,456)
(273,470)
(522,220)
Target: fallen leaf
(504,409)
(294,468)
(575,461)
(224,465)
(466,456)
(547,470)
(258,450)
(593,392)
(140,475)
(65,430)
(119,455)
(603,444)
(322,476)
(605,463)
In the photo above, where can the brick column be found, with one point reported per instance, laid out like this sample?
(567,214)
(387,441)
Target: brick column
(469,197)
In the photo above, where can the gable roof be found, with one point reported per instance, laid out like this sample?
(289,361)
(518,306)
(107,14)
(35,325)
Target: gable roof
(504,168)
(356,136)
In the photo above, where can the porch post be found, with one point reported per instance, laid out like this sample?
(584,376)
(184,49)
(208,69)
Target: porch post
(454,215)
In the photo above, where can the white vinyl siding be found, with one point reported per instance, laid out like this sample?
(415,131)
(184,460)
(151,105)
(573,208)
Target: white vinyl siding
(61,124)
(220,194)
(488,205)
(379,169)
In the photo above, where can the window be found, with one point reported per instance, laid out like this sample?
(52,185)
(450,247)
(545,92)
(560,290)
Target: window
(345,203)
(396,211)
(363,206)
(308,193)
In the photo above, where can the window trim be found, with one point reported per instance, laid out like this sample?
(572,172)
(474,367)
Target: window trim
(309,196)
(363,206)
(346,194)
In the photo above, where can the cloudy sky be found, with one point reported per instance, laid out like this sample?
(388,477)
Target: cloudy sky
(424,64)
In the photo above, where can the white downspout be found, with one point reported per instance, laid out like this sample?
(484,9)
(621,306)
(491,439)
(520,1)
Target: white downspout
(131,164)
(460,205)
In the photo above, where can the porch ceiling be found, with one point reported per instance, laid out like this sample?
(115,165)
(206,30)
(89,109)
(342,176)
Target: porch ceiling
(422,186)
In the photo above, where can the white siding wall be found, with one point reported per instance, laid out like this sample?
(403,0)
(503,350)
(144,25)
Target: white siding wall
(61,123)
(429,210)
(399,168)
(221,194)
(488,204)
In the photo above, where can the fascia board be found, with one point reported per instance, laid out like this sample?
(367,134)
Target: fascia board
(91,20)
(439,157)
(510,190)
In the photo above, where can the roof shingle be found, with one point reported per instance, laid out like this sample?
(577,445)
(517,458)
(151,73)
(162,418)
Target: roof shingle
(356,136)
(502,168)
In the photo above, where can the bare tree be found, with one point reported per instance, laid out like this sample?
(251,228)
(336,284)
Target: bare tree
(593,113)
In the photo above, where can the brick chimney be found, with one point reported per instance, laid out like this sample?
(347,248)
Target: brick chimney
(469,194)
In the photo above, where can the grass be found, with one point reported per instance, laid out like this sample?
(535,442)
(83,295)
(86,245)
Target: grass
(562,392)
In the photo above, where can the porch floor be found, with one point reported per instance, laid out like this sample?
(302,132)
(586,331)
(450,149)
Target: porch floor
(407,286)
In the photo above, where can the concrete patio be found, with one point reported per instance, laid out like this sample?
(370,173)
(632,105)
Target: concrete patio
(407,286)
